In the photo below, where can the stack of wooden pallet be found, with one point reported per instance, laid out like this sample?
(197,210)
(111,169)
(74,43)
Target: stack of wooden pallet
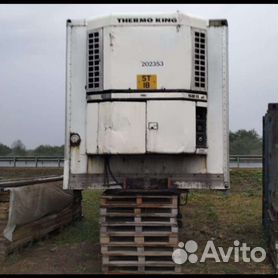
(35,230)
(139,232)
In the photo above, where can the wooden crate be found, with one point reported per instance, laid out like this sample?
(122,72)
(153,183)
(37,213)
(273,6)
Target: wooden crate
(138,233)
(35,230)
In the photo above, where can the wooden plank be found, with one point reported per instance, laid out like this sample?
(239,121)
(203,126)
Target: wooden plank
(24,182)
(136,253)
(5,196)
(138,201)
(130,229)
(134,195)
(140,249)
(142,269)
(115,214)
(4,216)
(137,263)
(40,228)
(139,223)
(136,219)
(136,244)
(4,205)
(137,234)
(128,211)
(143,205)
(42,223)
(155,238)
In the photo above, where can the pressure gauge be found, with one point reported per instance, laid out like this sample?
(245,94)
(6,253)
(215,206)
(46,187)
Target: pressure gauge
(75,139)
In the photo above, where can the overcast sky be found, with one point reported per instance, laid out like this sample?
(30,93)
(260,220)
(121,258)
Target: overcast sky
(32,64)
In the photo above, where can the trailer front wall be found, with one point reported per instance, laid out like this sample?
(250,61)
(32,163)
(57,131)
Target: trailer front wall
(187,166)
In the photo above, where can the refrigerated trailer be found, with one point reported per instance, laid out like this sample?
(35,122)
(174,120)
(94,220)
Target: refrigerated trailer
(147,102)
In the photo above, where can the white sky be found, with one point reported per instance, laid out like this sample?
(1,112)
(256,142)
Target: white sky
(32,64)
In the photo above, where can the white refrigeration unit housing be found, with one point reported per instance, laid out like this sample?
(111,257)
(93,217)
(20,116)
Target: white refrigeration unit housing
(147,102)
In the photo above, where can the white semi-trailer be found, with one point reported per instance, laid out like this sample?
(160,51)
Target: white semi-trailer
(147,102)
(146,119)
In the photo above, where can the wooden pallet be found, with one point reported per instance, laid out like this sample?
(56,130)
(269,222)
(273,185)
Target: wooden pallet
(139,201)
(138,233)
(141,260)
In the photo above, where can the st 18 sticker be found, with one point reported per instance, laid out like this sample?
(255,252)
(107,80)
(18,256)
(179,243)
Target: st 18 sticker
(147,82)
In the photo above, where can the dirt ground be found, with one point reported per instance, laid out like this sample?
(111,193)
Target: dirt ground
(221,217)
(46,257)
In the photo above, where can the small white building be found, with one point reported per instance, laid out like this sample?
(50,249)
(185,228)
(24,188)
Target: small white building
(147,102)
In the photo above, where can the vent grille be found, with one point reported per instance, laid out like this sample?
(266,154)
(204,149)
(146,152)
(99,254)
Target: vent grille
(199,61)
(95,61)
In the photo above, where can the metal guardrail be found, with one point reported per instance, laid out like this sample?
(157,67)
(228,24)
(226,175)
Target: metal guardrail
(57,161)
(13,160)
(246,159)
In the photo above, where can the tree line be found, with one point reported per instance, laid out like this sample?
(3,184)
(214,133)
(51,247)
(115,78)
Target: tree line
(242,142)
(19,149)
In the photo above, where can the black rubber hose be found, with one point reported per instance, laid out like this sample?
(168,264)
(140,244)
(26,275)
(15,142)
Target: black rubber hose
(107,166)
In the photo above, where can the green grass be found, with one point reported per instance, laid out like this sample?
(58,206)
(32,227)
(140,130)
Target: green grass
(88,228)
(207,215)
(246,180)
(212,213)
(225,218)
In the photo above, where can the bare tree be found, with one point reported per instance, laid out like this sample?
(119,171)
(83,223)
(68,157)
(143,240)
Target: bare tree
(18,148)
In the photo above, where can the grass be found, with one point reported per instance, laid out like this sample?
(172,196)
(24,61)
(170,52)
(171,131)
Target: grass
(208,215)
(246,180)
(88,229)
(225,218)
